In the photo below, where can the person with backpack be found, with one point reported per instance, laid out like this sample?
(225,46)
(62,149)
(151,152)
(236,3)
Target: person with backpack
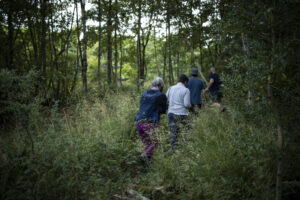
(179,104)
(196,86)
(153,103)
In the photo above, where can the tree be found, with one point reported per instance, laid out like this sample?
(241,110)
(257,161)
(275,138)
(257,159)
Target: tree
(99,41)
(84,58)
(138,46)
(116,41)
(109,42)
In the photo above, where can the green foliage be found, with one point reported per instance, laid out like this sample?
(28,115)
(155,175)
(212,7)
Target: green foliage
(90,151)
(16,96)
(86,151)
(222,157)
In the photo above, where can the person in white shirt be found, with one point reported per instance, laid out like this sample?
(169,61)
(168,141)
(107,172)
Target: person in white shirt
(179,104)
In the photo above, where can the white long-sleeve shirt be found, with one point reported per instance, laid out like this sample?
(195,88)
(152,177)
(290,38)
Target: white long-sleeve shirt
(179,99)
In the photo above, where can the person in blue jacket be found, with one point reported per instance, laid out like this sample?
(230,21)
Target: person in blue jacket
(195,85)
(153,103)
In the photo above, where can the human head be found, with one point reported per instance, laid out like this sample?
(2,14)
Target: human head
(213,70)
(194,72)
(158,82)
(183,79)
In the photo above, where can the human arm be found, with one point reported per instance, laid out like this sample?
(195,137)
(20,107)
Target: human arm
(162,104)
(211,82)
(167,94)
(187,99)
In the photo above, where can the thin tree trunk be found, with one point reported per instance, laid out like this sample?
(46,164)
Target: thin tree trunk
(277,117)
(178,61)
(201,43)
(109,43)
(84,56)
(99,41)
(66,85)
(121,59)
(200,70)
(55,62)
(116,43)
(50,83)
(143,55)
(155,53)
(211,56)
(139,44)
(10,58)
(33,39)
(246,55)
(43,57)
(171,77)
(76,70)
(165,57)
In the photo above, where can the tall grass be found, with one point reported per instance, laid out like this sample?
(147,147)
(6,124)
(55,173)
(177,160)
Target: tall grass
(90,150)
(221,157)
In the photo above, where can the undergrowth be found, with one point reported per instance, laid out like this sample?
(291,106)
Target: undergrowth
(90,150)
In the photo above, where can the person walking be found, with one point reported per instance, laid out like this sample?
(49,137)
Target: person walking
(179,103)
(195,85)
(153,103)
(214,89)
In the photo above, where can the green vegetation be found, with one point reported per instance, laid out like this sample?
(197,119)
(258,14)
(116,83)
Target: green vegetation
(72,73)
(90,150)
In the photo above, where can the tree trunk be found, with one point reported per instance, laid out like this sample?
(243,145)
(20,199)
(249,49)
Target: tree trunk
(178,61)
(109,43)
(99,42)
(200,70)
(43,58)
(10,58)
(139,44)
(165,57)
(246,55)
(121,59)
(171,77)
(84,58)
(116,42)
(33,38)
(76,70)
(201,43)
(211,55)
(155,53)
(277,117)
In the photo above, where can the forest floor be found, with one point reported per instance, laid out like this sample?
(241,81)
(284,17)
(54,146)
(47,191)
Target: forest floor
(91,150)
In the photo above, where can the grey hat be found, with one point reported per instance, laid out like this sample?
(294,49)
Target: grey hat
(194,71)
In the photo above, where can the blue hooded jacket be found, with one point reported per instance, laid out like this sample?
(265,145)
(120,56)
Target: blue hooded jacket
(195,86)
(152,104)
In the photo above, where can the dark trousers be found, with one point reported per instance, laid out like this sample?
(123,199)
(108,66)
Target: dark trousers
(216,96)
(194,108)
(175,122)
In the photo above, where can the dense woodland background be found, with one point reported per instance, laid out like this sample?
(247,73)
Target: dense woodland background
(72,72)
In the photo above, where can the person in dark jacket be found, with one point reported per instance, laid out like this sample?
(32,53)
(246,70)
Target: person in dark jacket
(153,103)
(214,86)
(214,89)
(195,85)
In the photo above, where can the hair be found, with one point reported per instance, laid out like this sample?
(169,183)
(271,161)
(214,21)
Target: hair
(194,75)
(158,82)
(213,69)
(183,78)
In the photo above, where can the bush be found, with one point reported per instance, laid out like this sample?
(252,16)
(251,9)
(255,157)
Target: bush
(86,151)
(16,97)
